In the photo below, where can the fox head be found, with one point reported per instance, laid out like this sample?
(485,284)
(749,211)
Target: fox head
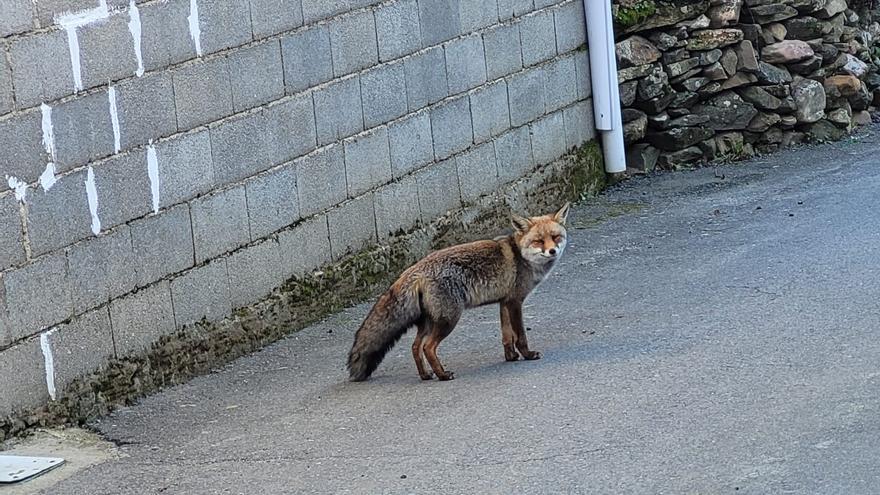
(541,239)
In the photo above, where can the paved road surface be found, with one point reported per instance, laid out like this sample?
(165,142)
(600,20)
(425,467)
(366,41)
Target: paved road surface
(723,337)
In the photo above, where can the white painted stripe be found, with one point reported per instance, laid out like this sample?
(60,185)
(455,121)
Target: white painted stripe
(70,23)
(134,25)
(19,186)
(114,117)
(48,130)
(153,173)
(73,46)
(47,178)
(49,361)
(92,193)
(194,30)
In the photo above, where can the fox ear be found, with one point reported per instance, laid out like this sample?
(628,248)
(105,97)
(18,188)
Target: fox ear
(519,223)
(562,214)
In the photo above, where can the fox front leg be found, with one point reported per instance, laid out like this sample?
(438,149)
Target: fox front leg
(514,309)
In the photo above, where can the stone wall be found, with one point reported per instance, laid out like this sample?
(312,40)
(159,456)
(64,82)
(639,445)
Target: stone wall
(707,79)
(170,161)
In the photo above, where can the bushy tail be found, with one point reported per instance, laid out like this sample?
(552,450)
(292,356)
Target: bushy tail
(394,312)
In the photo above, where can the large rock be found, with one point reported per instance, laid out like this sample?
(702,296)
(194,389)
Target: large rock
(727,111)
(729,144)
(765,14)
(861,100)
(700,22)
(628,93)
(709,39)
(786,52)
(631,73)
(854,66)
(729,61)
(715,72)
(677,138)
(688,120)
(747,59)
(724,13)
(684,100)
(663,41)
(824,131)
(763,121)
(628,19)
(841,117)
(804,28)
(642,156)
(678,68)
(739,79)
(831,9)
(809,96)
(770,74)
(635,123)
(777,31)
(712,56)
(653,85)
(680,159)
(635,51)
(676,55)
(759,97)
(656,105)
(842,86)
(753,33)
(806,66)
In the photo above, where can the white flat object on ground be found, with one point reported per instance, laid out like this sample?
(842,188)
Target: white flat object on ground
(15,468)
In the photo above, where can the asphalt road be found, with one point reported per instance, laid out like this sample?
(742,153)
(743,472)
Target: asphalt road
(717,335)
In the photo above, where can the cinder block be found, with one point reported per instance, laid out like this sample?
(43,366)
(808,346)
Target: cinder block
(353,42)
(11,242)
(257,75)
(582,73)
(571,30)
(219,223)
(503,53)
(525,94)
(367,161)
(272,201)
(397,29)
(384,94)
(538,37)
(41,69)
(145,106)
(21,140)
(305,247)
(6,93)
(352,226)
(223,24)
(513,153)
(451,127)
(270,17)
(16,16)
(59,217)
(540,4)
(315,10)
(477,173)
(338,111)
(83,131)
(81,347)
(410,143)
(489,110)
(514,8)
(397,207)
(439,191)
(465,63)
(22,377)
(141,318)
(477,14)
(202,92)
(185,168)
(307,59)
(426,78)
(548,138)
(162,244)
(202,292)
(439,21)
(291,128)
(165,37)
(101,268)
(253,273)
(38,295)
(47,10)
(106,51)
(123,186)
(560,83)
(580,126)
(321,180)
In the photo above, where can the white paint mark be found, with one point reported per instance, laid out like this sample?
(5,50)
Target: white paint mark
(47,178)
(48,130)
(70,23)
(19,186)
(153,173)
(114,118)
(49,361)
(92,193)
(194,30)
(134,25)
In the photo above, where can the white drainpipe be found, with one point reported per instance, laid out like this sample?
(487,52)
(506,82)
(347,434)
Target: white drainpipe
(606,93)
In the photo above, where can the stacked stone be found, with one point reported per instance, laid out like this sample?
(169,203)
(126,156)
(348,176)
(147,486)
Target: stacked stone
(702,79)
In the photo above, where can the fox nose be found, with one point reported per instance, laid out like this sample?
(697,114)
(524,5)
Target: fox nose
(552,251)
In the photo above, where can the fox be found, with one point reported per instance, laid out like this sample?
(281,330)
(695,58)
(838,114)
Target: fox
(433,293)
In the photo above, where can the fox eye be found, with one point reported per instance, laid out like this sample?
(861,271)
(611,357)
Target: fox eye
(537,244)
(557,239)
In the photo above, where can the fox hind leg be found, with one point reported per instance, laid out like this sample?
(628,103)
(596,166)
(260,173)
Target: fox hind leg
(440,329)
(423,328)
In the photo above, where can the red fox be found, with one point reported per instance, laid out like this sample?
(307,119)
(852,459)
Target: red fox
(433,293)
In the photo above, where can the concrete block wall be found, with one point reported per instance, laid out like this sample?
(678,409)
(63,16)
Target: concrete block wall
(173,160)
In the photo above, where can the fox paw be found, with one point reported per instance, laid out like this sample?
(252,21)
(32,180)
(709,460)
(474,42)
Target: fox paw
(427,376)
(446,376)
(510,355)
(531,355)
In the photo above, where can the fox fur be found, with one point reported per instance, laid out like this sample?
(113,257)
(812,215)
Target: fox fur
(433,293)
